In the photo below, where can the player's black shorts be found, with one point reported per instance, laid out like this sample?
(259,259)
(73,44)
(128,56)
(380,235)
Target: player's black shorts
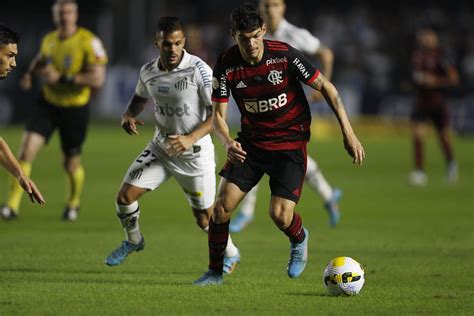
(286,168)
(439,115)
(72,123)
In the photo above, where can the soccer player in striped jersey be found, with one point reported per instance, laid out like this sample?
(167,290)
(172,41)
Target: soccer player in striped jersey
(279,29)
(432,74)
(71,62)
(265,78)
(180,86)
(8,52)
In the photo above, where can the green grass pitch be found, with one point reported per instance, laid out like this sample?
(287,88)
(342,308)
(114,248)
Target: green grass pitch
(416,244)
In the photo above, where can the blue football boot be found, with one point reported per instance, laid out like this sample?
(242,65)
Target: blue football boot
(117,256)
(209,278)
(298,257)
(230,263)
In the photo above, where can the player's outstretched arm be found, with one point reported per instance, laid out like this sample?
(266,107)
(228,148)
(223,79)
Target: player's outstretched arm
(135,107)
(235,154)
(9,162)
(351,142)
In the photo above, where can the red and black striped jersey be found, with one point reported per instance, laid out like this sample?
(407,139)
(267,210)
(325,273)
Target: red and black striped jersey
(275,114)
(430,62)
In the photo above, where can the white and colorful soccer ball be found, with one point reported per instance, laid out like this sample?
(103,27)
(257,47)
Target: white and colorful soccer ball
(343,275)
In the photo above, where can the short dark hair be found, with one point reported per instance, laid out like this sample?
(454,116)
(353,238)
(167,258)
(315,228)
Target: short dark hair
(61,2)
(245,18)
(7,36)
(168,24)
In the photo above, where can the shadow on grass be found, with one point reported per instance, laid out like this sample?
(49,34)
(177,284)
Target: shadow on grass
(310,293)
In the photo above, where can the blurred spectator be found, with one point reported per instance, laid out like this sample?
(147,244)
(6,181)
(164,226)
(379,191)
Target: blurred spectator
(371,41)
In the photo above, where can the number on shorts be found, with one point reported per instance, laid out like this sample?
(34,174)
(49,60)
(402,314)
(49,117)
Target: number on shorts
(145,154)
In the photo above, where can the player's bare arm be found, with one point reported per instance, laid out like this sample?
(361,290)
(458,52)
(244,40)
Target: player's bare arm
(177,144)
(41,68)
(235,154)
(37,64)
(129,122)
(351,142)
(9,162)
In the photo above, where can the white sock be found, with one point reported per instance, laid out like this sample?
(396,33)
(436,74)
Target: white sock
(230,250)
(316,180)
(247,205)
(128,215)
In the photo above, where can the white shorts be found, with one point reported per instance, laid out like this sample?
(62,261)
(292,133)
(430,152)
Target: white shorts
(193,170)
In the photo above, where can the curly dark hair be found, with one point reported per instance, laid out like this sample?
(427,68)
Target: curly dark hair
(245,18)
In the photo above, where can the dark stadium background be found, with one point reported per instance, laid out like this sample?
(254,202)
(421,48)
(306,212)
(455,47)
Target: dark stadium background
(372,41)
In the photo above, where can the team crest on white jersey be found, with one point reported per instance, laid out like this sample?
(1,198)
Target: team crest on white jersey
(275,77)
(182,84)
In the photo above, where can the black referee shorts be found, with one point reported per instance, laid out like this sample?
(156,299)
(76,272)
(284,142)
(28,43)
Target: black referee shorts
(286,169)
(72,123)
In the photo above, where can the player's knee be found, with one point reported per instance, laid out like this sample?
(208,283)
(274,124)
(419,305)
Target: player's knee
(202,221)
(71,164)
(26,154)
(124,198)
(25,157)
(444,134)
(202,217)
(69,168)
(278,220)
(417,133)
(279,217)
(220,213)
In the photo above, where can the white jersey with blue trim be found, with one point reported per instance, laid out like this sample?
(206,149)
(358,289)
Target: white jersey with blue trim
(182,96)
(299,38)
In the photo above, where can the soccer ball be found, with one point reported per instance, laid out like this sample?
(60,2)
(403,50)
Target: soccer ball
(343,275)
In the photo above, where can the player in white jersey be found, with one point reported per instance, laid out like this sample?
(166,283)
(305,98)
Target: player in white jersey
(278,28)
(180,86)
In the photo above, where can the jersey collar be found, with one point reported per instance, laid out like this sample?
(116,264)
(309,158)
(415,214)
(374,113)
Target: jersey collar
(182,64)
